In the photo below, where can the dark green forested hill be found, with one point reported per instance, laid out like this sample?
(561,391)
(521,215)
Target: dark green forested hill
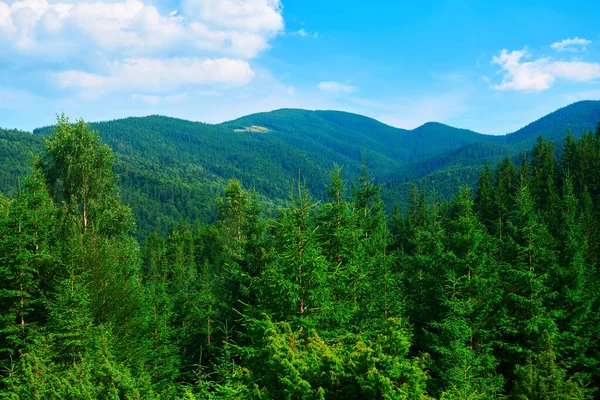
(445,171)
(16,148)
(172,169)
(577,117)
(494,294)
(350,135)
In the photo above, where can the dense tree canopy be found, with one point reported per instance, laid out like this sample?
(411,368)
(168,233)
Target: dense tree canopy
(173,170)
(493,294)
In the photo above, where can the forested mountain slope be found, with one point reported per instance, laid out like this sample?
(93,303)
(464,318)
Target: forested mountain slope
(16,148)
(491,295)
(577,118)
(446,171)
(172,169)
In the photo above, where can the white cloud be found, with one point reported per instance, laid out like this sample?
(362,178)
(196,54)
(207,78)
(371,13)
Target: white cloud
(335,87)
(131,28)
(246,45)
(574,45)
(522,75)
(119,45)
(303,33)
(158,75)
(575,70)
(238,15)
(540,74)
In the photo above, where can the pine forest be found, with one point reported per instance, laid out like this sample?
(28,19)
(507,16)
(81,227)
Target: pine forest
(490,293)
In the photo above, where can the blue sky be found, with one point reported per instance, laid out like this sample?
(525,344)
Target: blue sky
(488,66)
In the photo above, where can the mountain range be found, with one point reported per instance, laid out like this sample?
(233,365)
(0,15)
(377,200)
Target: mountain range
(172,169)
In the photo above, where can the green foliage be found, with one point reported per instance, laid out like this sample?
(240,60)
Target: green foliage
(491,295)
(79,174)
(95,375)
(298,270)
(26,263)
(288,363)
(541,378)
(470,295)
(16,149)
(172,170)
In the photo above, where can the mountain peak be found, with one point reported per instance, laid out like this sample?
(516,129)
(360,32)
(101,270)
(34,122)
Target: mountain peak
(433,125)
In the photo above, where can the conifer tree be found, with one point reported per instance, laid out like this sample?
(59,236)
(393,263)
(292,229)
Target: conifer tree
(26,260)
(588,151)
(163,360)
(417,217)
(569,160)
(543,182)
(541,377)
(398,230)
(297,275)
(464,335)
(341,247)
(255,250)
(377,294)
(484,195)
(524,172)
(184,290)
(527,306)
(505,187)
(421,274)
(573,283)
(241,228)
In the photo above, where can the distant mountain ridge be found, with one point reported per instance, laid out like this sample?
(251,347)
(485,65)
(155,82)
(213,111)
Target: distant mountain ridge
(577,118)
(172,169)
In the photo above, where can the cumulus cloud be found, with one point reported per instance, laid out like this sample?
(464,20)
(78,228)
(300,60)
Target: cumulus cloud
(159,75)
(238,15)
(133,27)
(131,44)
(574,45)
(335,87)
(540,74)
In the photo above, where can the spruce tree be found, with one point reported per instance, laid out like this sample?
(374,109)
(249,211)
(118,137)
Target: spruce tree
(421,273)
(341,247)
(527,310)
(463,337)
(505,183)
(573,283)
(484,195)
(377,293)
(164,361)
(26,263)
(542,378)
(297,274)
(543,183)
